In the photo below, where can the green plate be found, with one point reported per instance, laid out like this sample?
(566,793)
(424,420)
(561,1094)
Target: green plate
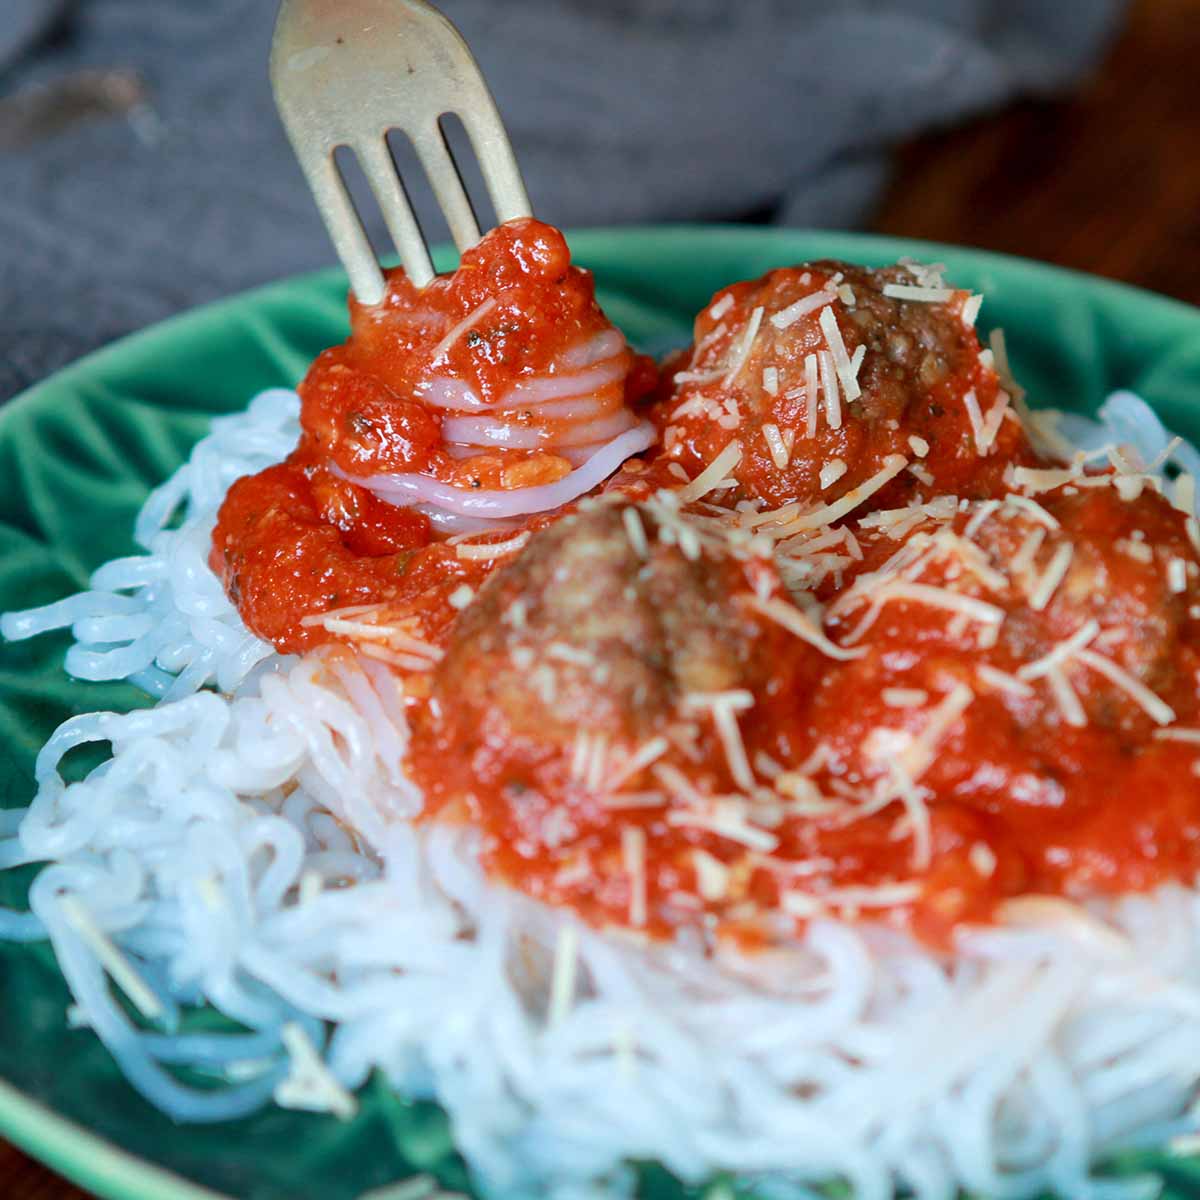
(77,457)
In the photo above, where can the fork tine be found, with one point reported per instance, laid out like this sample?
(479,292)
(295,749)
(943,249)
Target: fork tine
(380,170)
(341,220)
(496,159)
(447,184)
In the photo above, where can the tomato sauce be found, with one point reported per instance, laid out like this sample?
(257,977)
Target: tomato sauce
(299,540)
(996,694)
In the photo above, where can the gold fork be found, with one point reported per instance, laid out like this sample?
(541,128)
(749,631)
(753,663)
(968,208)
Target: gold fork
(344,73)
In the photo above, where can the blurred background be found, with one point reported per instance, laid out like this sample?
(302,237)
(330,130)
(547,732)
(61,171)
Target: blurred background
(142,169)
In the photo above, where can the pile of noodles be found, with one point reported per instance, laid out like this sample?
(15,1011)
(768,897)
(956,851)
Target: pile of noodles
(203,864)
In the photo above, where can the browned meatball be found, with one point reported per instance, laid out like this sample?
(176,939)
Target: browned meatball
(929,407)
(583,632)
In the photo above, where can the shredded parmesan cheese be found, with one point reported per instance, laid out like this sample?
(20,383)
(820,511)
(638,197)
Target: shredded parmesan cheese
(742,353)
(712,876)
(721,307)
(770,380)
(469,321)
(476,552)
(635,531)
(829,385)
(920,447)
(1177,580)
(724,707)
(846,373)
(712,475)
(1055,573)
(310,1085)
(910,291)
(831,472)
(786,317)
(633,853)
(810,395)
(112,959)
(776,445)
(796,622)
(566,968)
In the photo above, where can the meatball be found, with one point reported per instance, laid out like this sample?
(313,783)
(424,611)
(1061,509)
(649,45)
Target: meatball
(1077,623)
(584,632)
(898,376)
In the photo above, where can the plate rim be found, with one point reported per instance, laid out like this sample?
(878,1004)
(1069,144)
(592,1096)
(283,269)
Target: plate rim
(106,1168)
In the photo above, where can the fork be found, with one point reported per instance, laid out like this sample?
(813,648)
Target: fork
(344,73)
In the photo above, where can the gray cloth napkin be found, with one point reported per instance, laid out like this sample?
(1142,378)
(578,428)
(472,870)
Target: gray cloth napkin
(142,168)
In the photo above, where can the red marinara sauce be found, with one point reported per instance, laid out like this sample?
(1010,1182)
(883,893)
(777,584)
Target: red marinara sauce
(988,690)
(925,776)
(299,539)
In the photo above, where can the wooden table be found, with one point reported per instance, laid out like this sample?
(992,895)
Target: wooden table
(1106,181)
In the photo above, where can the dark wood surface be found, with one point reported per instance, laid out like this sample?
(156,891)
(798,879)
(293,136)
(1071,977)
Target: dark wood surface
(1107,181)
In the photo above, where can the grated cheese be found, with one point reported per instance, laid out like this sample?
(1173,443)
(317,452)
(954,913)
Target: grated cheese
(786,317)
(1066,698)
(920,447)
(892,466)
(920,754)
(829,385)
(770,380)
(1177,580)
(712,475)
(831,472)
(725,825)
(802,626)
(649,752)
(1031,508)
(904,697)
(1027,551)
(309,1084)
(1061,653)
(635,531)
(724,706)
(970,309)
(976,419)
(982,859)
(562,981)
(469,321)
(712,876)
(992,423)
(633,854)
(810,395)
(1045,479)
(910,291)
(917,812)
(1055,573)
(742,353)
(721,307)
(1002,681)
(776,446)
(1155,708)
(841,359)
(979,517)
(1179,734)
(111,958)
(476,552)
(808,904)
(461,596)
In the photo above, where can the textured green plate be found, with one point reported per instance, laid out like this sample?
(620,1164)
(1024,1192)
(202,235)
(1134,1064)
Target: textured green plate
(79,453)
